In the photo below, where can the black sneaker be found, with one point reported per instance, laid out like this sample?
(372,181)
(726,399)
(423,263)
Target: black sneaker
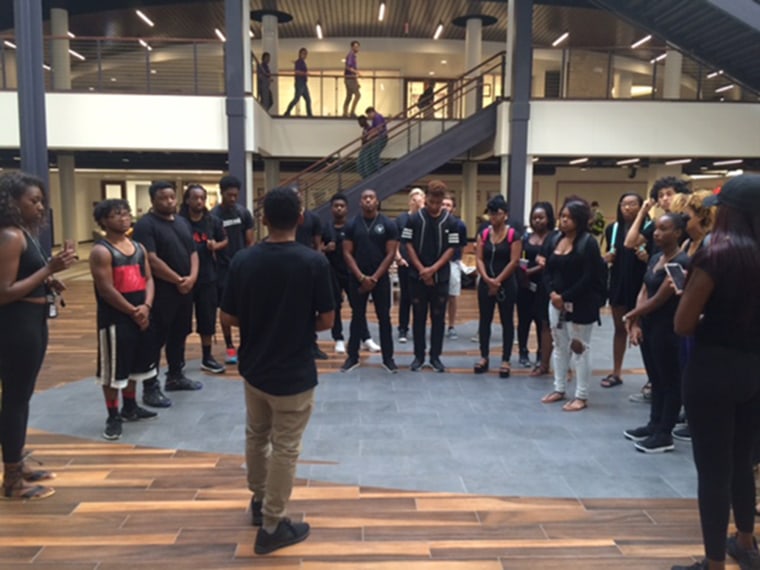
(747,559)
(525,361)
(153,396)
(350,363)
(257,517)
(638,434)
(318,353)
(403,336)
(437,365)
(181,382)
(113,428)
(390,366)
(287,533)
(697,566)
(416,365)
(682,433)
(137,414)
(211,365)
(656,443)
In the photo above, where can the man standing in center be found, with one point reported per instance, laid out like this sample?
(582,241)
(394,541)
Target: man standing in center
(369,248)
(351,76)
(430,237)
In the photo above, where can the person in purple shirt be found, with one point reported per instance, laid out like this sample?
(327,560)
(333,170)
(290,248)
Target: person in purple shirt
(377,138)
(351,74)
(302,88)
(264,78)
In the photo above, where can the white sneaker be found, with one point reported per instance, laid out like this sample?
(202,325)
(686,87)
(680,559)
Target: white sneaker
(371,345)
(340,347)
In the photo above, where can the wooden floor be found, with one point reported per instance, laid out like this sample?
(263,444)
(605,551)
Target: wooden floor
(123,507)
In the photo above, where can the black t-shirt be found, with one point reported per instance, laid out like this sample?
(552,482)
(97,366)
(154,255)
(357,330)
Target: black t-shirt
(431,237)
(171,240)
(236,221)
(654,280)
(497,256)
(626,271)
(208,227)
(276,290)
(311,226)
(333,233)
(370,238)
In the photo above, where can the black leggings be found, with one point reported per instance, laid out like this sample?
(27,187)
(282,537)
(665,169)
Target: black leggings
(527,314)
(722,396)
(23,342)
(486,306)
(660,349)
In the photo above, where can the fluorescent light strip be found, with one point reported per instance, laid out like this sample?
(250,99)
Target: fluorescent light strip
(725,88)
(219,34)
(10,44)
(641,42)
(381,12)
(714,74)
(72,36)
(46,67)
(319,31)
(727,162)
(579,161)
(658,58)
(77,55)
(145,18)
(534,159)
(560,39)
(627,161)
(679,161)
(438,32)
(250,33)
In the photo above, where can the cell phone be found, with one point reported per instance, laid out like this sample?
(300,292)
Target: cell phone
(676,273)
(524,263)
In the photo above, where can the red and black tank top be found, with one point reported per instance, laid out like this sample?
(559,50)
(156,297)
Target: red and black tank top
(128,272)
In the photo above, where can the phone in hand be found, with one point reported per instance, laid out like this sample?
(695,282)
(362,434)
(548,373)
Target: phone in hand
(677,275)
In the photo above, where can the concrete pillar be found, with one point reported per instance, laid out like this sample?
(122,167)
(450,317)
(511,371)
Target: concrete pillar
(622,84)
(673,71)
(473,55)
(69,213)
(59,26)
(270,41)
(539,79)
(470,196)
(528,201)
(271,173)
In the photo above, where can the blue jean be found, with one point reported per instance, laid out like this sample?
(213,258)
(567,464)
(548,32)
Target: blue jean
(302,90)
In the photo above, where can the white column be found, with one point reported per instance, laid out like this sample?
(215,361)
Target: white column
(248,181)
(673,69)
(622,84)
(504,175)
(470,196)
(528,190)
(270,41)
(473,55)
(59,26)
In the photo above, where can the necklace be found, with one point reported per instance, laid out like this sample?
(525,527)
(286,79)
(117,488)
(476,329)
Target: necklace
(372,225)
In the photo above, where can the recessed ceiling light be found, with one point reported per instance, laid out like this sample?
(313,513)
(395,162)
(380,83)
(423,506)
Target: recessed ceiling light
(10,44)
(658,58)
(77,55)
(72,36)
(46,67)
(579,161)
(678,161)
(727,162)
(641,42)
(725,88)
(319,31)
(444,62)
(113,80)
(627,161)
(438,31)
(145,18)
(431,72)
(714,74)
(534,159)
(219,34)
(250,33)
(381,12)
(560,39)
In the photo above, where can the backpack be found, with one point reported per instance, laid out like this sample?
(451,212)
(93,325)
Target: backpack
(510,234)
(600,276)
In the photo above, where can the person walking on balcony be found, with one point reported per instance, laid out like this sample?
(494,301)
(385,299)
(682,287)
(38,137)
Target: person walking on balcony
(426,99)
(302,87)
(264,79)
(351,77)
(377,139)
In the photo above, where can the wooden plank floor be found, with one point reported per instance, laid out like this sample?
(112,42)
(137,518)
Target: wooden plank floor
(120,507)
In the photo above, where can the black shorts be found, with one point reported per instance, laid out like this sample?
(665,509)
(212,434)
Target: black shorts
(125,353)
(206,302)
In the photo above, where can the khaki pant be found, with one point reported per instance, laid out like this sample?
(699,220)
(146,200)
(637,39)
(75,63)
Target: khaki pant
(274,427)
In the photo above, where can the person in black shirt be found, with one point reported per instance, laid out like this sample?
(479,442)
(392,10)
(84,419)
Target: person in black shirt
(238,225)
(174,265)
(430,238)
(279,294)
(721,307)
(209,238)
(416,201)
(650,325)
(124,295)
(498,251)
(369,248)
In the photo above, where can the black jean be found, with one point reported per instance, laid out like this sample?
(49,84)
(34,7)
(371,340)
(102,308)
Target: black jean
(527,303)
(23,342)
(171,319)
(405,299)
(340,284)
(381,298)
(424,298)
(486,306)
(660,348)
(722,397)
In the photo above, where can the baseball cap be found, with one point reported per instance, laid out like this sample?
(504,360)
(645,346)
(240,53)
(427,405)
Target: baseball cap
(741,192)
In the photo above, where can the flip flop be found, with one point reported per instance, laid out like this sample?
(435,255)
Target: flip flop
(610,381)
(575,405)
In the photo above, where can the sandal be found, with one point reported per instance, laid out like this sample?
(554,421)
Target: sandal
(505,370)
(33,475)
(481,367)
(15,487)
(539,370)
(610,381)
(575,405)
(552,397)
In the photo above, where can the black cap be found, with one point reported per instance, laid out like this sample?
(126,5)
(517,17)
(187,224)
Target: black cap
(497,203)
(741,192)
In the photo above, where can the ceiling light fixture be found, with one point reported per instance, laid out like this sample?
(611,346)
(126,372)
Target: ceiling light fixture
(658,58)
(77,55)
(727,162)
(444,62)
(579,161)
(145,44)
(678,161)
(534,159)
(319,31)
(145,18)
(10,44)
(714,74)
(438,31)
(641,42)
(46,67)
(381,12)
(219,34)
(725,88)
(627,161)
(72,36)
(250,33)
(560,39)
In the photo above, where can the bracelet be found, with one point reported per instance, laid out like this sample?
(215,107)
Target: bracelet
(363,278)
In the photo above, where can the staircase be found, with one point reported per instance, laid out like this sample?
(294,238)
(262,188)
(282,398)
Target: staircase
(423,143)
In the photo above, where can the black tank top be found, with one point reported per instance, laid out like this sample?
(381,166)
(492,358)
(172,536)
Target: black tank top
(128,273)
(31,261)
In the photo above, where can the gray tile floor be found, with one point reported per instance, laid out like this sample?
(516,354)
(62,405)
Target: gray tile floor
(423,431)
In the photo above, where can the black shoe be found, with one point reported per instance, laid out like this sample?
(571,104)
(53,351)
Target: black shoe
(481,367)
(403,336)
(136,414)
(656,443)
(318,354)
(113,428)
(416,365)
(350,363)
(153,396)
(181,382)
(390,366)
(747,559)
(638,434)
(697,566)
(682,433)
(525,360)
(287,533)
(257,518)
(211,365)
(437,365)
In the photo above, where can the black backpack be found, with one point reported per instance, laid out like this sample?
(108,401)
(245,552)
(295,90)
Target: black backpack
(600,278)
